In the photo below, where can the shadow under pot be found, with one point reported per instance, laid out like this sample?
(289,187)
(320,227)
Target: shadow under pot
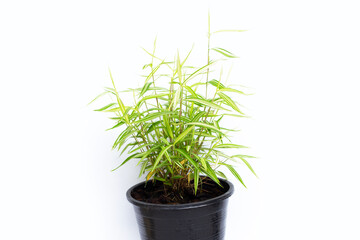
(203,220)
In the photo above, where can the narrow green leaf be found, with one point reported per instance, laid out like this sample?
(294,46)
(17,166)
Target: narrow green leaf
(187,56)
(120,123)
(121,104)
(117,109)
(152,116)
(167,127)
(153,72)
(187,156)
(152,55)
(206,103)
(179,164)
(196,180)
(183,134)
(136,155)
(176,98)
(217,84)
(242,157)
(221,174)
(211,173)
(98,96)
(198,71)
(229,145)
(143,167)
(140,147)
(145,88)
(224,52)
(147,65)
(198,116)
(164,141)
(191,91)
(229,102)
(160,179)
(204,125)
(159,157)
(235,173)
(123,136)
(105,107)
(231,90)
(126,147)
(152,96)
(177,177)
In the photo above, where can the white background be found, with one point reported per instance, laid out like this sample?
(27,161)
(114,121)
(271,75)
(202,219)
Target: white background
(301,58)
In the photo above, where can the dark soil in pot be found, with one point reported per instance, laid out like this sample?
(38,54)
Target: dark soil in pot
(159,194)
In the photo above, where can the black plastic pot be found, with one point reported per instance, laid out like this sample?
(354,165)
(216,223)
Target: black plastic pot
(191,221)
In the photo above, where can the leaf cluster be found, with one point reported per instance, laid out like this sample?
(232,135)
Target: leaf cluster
(174,129)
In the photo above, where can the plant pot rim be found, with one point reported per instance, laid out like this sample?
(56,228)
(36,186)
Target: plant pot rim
(207,202)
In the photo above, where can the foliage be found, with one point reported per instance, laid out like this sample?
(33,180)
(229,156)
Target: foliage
(175,132)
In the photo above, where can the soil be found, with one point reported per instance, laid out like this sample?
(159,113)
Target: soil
(159,194)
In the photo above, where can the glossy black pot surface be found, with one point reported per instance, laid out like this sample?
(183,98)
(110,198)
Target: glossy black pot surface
(203,220)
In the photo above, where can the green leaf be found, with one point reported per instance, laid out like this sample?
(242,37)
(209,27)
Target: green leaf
(140,147)
(143,167)
(98,96)
(136,155)
(120,123)
(191,91)
(187,156)
(221,174)
(242,157)
(235,173)
(152,127)
(203,162)
(217,84)
(183,134)
(164,141)
(204,125)
(177,177)
(198,71)
(231,90)
(123,136)
(154,70)
(224,52)
(232,115)
(167,127)
(229,102)
(147,65)
(206,103)
(160,156)
(145,88)
(196,180)
(151,97)
(179,164)
(152,55)
(198,116)
(117,109)
(121,104)
(160,179)
(229,145)
(211,173)
(126,147)
(176,98)
(187,56)
(152,116)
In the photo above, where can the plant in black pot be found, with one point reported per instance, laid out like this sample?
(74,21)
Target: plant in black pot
(174,130)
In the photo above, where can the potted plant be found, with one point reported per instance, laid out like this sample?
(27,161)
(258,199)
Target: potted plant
(174,130)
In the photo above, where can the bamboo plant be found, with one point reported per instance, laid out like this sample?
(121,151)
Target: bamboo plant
(174,129)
